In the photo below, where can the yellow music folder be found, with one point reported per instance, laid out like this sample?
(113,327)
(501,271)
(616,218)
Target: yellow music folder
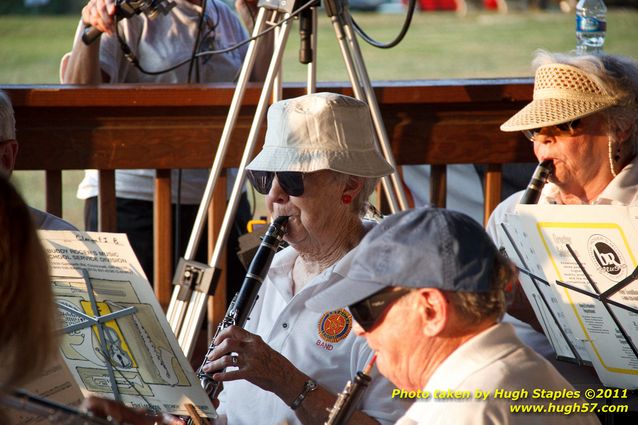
(583,259)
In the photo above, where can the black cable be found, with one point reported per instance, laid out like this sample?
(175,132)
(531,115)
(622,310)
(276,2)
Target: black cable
(254,203)
(399,37)
(130,56)
(252,15)
(177,230)
(261,34)
(197,42)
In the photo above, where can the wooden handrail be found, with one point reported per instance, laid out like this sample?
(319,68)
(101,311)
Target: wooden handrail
(161,127)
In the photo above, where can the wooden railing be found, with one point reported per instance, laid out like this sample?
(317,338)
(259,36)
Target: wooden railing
(164,127)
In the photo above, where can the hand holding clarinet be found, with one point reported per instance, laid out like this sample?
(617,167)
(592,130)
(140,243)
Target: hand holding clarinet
(230,338)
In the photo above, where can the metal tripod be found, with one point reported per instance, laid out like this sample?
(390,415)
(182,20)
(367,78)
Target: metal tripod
(194,281)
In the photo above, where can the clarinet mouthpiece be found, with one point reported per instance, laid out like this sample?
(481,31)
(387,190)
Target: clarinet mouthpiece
(541,174)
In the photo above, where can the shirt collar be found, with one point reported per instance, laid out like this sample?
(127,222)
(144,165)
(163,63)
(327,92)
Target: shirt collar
(281,269)
(477,352)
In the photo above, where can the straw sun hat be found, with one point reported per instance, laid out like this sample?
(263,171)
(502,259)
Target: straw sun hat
(562,93)
(321,131)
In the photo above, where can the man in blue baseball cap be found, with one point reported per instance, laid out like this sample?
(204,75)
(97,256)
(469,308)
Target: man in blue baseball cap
(426,288)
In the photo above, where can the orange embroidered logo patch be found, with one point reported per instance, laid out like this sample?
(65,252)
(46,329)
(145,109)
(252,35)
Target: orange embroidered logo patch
(335,325)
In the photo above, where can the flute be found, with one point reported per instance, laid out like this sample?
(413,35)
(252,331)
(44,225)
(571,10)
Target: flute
(244,301)
(348,400)
(53,412)
(533,191)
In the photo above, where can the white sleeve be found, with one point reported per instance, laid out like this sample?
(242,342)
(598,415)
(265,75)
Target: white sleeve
(499,215)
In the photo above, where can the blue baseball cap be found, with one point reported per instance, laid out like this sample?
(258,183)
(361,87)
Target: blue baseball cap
(419,248)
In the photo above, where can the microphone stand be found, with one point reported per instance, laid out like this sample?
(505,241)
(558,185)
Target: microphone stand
(194,281)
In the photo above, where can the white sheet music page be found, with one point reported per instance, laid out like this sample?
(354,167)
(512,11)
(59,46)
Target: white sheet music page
(539,292)
(99,272)
(588,254)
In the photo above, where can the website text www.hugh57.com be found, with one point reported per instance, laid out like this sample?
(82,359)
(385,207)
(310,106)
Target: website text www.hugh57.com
(568,409)
(541,401)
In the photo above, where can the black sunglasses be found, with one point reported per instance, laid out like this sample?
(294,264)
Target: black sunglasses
(368,311)
(562,129)
(290,181)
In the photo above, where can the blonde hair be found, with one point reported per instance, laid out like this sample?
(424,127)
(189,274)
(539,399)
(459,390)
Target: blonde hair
(27,312)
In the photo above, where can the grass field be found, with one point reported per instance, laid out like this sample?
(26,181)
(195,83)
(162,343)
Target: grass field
(439,45)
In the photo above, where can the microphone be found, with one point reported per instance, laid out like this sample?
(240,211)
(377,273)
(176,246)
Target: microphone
(539,178)
(127,9)
(305,36)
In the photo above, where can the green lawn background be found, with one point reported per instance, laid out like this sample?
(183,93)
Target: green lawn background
(439,45)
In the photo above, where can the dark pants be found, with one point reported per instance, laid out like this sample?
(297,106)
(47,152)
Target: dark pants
(135,218)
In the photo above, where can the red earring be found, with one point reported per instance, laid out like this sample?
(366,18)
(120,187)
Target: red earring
(346,199)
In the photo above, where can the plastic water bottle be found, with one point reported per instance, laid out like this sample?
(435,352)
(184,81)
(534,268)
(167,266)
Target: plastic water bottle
(591,25)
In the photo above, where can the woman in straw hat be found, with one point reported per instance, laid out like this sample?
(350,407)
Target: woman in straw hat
(584,119)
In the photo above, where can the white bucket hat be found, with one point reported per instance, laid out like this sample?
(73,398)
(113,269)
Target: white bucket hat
(562,93)
(321,131)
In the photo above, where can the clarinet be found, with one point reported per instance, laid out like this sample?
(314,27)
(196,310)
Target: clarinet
(53,412)
(348,400)
(539,178)
(244,300)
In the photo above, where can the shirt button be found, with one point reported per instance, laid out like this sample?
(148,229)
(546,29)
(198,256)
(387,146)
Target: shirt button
(285,325)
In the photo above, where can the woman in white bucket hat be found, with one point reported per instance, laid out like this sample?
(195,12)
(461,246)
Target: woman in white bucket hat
(318,166)
(584,119)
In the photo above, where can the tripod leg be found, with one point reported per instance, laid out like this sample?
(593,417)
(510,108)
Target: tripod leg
(181,297)
(196,310)
(231,119)
(362,88)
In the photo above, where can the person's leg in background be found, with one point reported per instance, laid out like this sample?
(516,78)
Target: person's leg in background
(235,271)
(135,218)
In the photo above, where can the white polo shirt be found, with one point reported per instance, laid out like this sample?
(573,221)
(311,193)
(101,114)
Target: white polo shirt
(493,360)
(321,345)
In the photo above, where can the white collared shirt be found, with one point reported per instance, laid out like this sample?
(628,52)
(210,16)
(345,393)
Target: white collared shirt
(321,345)
(495,359)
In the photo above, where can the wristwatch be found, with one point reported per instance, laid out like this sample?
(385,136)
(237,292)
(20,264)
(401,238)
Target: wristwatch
(308,387)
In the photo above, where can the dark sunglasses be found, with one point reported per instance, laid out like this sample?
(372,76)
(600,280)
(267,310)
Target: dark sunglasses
(562,129)
(290,181)
(368,311)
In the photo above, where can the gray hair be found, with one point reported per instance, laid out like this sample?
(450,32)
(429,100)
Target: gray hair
(360,202)
(474,307)
(617,75)
(7,118)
